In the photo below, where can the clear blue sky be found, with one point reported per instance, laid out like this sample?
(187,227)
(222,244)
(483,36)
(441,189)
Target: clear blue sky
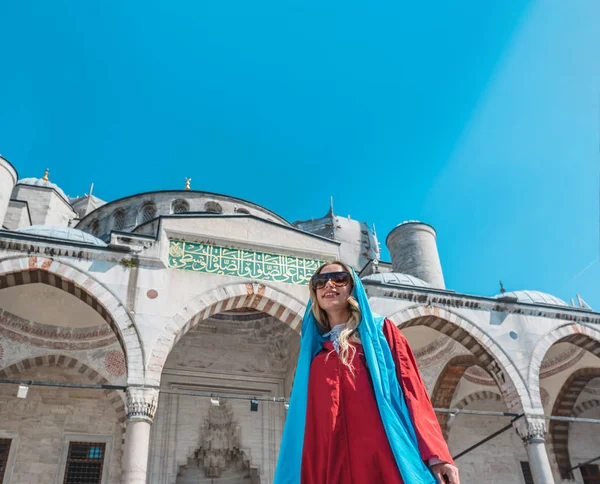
(482,120)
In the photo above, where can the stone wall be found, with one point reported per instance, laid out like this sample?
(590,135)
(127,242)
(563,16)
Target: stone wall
(45,420)
(495,462)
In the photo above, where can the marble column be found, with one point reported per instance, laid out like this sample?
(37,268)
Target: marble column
(141,407)
(532,431)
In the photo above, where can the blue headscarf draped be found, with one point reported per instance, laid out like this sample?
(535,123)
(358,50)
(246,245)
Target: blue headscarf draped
(388,393)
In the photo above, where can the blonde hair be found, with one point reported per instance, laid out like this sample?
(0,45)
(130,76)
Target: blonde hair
(350,332)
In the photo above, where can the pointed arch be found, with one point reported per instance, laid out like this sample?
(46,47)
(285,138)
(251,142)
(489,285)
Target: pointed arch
(117,400)
(35,269)
(224,298)
(580,335)
(564,406)
(446,384)
(489,355)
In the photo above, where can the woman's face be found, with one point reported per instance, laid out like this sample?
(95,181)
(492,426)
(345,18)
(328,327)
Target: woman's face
(331,297)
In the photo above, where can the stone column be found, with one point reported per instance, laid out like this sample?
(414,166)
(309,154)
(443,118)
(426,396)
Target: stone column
(141,407)
(532,431)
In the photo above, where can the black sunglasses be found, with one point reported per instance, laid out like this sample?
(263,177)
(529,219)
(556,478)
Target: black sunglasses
(338,279)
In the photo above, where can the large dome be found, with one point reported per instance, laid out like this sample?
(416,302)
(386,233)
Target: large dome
(40,182)
(533,297)
(63,233)
(396,278)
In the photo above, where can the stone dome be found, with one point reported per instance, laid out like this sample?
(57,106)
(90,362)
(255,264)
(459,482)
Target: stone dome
(396,278)
(533,297)
(40,182)
(63,233)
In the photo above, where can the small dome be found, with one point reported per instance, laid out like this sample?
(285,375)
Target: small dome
(40,182)
(63,233)
(396,278)
(534,297)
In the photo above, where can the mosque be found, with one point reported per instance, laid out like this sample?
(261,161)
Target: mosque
(153,339)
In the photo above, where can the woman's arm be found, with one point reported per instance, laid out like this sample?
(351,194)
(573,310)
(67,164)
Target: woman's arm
(431,442)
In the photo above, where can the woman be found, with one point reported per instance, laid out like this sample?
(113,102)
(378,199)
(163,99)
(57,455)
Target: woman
(359,412)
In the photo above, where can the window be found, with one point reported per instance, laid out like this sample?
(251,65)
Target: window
(590,474)
(242,210)
(84,463)
(4,450)
(118,220)
(526,472)
(213,207)
(95,228)
(180,206)
(148,212)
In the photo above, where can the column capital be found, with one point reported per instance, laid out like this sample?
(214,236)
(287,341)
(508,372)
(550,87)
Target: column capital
(141,403)
(531,429)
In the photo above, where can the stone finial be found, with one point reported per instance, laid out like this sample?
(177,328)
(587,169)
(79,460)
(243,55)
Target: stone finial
(141,403)
(188,181)
(46,175)
(531,429)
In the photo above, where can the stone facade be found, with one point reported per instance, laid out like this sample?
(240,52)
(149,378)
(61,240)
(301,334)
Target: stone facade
(167,326)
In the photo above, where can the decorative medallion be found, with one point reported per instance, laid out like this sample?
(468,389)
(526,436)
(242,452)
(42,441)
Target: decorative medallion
(152,294)
(214,259)
(114,363)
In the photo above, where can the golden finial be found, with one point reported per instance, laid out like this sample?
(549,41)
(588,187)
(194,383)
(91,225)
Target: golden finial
(187,183)
(46,175)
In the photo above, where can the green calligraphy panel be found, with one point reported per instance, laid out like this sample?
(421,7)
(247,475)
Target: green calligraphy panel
(214,259)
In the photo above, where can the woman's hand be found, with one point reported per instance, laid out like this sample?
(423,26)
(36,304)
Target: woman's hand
(445,470)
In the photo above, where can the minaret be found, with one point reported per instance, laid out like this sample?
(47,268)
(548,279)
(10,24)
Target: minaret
(8,180)
(414,251)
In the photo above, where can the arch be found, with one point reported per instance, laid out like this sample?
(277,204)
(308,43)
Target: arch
(147,212)
(118,219)
(580,335)
(117,400)
(446,384)
(180,206)
(489,355)
(234,296)
(213,207)
(95,228)
(475,396)
(585,406)
(564,406)
(35,269)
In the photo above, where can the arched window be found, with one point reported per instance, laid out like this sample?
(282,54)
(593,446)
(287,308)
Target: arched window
(242,210)
(95,228)
(213,207)
(118,219)
(180,206)
(148,212)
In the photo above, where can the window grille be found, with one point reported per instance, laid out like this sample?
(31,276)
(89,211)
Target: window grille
(4,450)
(148,212)
(213,207)
(526,472)
(84,463)
(180,206)
(119,220)
(590,474)
(95,228)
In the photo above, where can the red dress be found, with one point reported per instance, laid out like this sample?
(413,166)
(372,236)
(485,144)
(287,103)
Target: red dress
(344,439)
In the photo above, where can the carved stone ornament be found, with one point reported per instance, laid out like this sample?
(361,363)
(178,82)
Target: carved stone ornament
(531,429)
(141,403)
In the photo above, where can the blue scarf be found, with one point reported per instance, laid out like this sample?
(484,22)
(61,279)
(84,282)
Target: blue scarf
(388,393)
